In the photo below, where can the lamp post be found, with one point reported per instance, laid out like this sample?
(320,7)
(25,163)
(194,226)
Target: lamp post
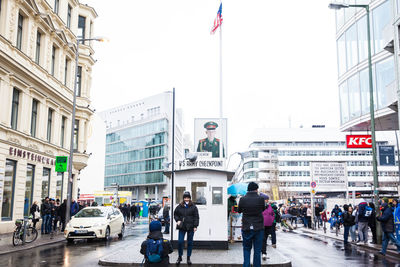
(338,6)
(71,148)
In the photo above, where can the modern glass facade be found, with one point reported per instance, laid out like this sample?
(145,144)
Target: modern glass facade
(134,155)
(352,56)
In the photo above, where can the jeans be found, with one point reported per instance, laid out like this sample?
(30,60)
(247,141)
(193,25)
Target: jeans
(363,231)
(268,230)
(181,242)
(346,234)
(385,241)
(397,230)
(250,238)
(46,221)
(353,233)
(305,221)
(166,230)
(373,230)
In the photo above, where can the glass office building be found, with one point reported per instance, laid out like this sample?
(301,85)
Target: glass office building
(137,145)
(353,75)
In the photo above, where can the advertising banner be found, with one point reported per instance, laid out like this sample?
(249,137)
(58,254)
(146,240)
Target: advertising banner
(359,141)
(210,135)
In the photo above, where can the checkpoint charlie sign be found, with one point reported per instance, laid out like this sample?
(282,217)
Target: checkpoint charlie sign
(329,175)
(216,164)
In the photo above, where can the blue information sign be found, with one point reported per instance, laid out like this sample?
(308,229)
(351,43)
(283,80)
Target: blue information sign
(386,156)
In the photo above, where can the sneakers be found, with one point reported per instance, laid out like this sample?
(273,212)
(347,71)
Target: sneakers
(264,257)
(274,245)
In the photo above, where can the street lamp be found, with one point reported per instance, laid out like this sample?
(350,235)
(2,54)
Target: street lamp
(338,6)
(71,148)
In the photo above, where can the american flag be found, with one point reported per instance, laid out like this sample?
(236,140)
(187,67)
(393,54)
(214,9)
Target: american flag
(218,20)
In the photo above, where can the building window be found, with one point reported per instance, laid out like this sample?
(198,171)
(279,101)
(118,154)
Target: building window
(385,76)
(34,117)
(76,135)
(30,176)
(14,109)
(381,17)
(81,27)
(351,46)
(38,39)
(56,6)
(69,14)
(59,185)
(354,96)
(217,196)
(79,81)
(341,55)
(199,193)
(8,189)
(63,120)
(179,193)
(19,31)
(49,124)
(45,183)
(53,59)
(362,34)
(66,71)
(344,102)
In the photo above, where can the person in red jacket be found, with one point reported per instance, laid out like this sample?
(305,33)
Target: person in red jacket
(269,228)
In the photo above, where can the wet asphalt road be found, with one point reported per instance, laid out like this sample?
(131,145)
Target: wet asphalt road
(311,250)
(303,250)
(81,253)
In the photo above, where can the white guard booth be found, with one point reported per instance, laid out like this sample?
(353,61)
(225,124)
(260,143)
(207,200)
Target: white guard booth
(208,188)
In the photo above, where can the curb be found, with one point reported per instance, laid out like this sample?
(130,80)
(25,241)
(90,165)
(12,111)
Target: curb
(366,247)
(31,245)
(107,263)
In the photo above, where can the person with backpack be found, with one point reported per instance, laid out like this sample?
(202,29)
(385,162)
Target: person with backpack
(387,223)
(187,219)
(269,217)
(396,215)
(364,215)
(155,248)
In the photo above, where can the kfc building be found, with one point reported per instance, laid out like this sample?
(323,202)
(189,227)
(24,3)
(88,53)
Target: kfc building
(282,158)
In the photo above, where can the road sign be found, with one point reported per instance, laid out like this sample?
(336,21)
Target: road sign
(61,163)
(386,156)
(313,192)
(329,175)
(313,184)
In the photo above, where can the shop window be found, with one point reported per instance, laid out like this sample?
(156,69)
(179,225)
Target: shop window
(217,196)
(8,189)
(30,174)
(199,193)
(45,183)
(178,194)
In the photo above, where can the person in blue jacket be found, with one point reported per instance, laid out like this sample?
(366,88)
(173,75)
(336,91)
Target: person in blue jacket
(396,215)
(74,207)
(387,223)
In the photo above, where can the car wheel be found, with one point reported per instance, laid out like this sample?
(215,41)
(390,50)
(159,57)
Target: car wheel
(70,241)
(120,235)
(107,234)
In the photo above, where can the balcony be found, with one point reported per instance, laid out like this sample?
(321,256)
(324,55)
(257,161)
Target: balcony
(80,160)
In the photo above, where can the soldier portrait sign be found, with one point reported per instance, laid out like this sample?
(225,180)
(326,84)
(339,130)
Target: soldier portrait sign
(210,135)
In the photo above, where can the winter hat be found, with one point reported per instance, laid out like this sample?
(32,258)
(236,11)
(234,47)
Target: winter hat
(264,196)
(187,194)
(155,226)
(252,186)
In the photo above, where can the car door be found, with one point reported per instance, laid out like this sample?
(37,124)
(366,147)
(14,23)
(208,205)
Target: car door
(119,220)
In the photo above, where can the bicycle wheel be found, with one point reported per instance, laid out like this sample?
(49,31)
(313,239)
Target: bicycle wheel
(31,234)
(17,238)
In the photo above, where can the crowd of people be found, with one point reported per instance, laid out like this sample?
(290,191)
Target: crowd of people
(130,212)
(52,213)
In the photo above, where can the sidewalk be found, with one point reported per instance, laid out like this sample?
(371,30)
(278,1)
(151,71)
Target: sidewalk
(391,250)
(6,245)
(131,256)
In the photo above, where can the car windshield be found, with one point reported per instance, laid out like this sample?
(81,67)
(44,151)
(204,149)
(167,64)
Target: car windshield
(91,213)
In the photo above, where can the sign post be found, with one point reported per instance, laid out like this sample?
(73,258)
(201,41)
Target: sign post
(313,185)
(61,163)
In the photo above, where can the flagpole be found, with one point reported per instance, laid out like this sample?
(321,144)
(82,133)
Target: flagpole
(220,71)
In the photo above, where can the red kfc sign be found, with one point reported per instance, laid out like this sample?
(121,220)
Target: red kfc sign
(359,141)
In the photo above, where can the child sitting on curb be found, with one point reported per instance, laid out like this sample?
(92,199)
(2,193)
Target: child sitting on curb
(155,248)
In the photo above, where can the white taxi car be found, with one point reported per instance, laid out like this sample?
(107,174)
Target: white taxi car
(95,222)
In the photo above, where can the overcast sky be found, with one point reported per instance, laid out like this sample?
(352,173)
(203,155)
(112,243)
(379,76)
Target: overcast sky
(279,61)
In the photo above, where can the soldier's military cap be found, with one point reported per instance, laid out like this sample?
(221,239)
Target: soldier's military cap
(211,125)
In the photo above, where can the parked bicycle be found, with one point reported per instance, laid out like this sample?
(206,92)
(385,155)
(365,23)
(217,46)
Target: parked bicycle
(24,233)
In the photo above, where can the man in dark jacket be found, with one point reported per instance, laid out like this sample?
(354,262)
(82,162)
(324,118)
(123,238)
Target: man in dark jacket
(387,223)
(155,234)
(62,211)
(133,212)
(252,206)
(372,223)
(166,218)
(186,216)
(45,212)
